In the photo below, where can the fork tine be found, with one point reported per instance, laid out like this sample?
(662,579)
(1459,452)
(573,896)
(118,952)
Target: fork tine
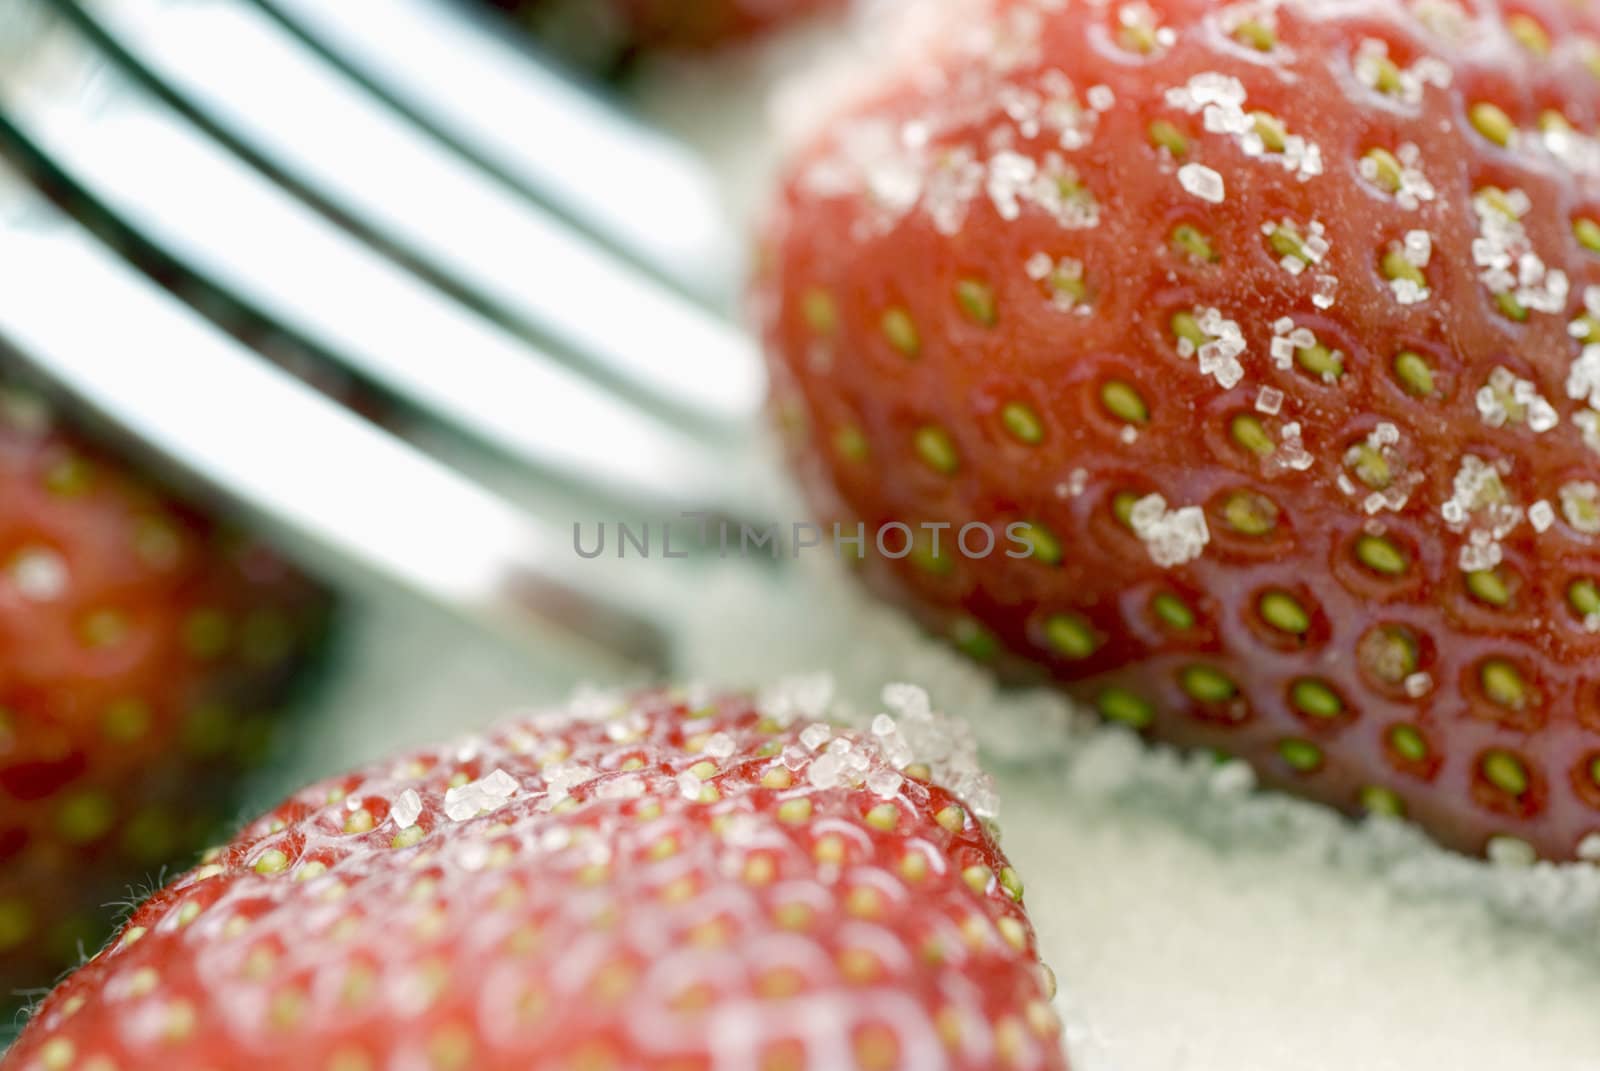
(191,198)
(456,73)
(252,83)
(336,488)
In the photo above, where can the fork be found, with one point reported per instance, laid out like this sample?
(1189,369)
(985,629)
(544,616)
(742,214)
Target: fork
(416,197)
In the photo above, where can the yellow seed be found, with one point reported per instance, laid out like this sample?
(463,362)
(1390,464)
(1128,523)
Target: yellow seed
(1375,799)
(1528,33)
(1389,653)
(1316,699)
(1042,543)
(1384,169)
(1302,755)
(271,861)
(1285,241)
(1256,34)
(952,818)
(1173,611)
(1587,232)
(1014,933)
(795,811)
(936,449)
(1369,466)
(913,866)
(1189,241)
(1011,883)
(1270,129)
(901,331)
(1583,595)
(1022,423)
(793,916)
(977,300)
(850,444)
(1320,361)
(1553,122)
(1414,374)
(1122,706)
(1207,685)
(884,816)
(829,849)
(1396,267)
(777,777)
(359,821)
(1388,76)
(1380,555)
(1071,635)
(864,902)
(1511,307)
(1165,135)
(1283,612)
(1250,514)
(759,870)
(1503,684)
(1124,402)
(1138,36)
(1248,433)
(315,868)
(1505,771)
(1491,122)
(1489,586)
(977,878)
(57,1054)
(1186,327)
(820,312)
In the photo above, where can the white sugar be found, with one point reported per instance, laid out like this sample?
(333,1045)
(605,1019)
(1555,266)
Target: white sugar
(479,797)
(39,574)
(1172,537)
(406,809)
(1202,182)
(815,735)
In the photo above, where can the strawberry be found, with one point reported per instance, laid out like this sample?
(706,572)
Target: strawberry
(681,25)
(143,654)
(1259,338)
(664,881)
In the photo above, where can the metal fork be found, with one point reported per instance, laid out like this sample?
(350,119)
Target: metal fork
(412,194)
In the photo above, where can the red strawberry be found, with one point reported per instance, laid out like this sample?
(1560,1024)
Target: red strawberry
(143,652)
(671,24)
(662,882)
(1271,319)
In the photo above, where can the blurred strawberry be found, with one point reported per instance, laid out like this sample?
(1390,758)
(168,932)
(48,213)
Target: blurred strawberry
(595,28)
(1271,329)
(659,882)
(144,652)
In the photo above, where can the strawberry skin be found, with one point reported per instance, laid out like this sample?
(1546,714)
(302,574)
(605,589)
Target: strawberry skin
(1270,324)
(659,881)
(143,655)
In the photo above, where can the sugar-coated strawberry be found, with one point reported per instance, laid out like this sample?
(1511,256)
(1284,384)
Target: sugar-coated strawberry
(657,881)
(1272,327)
(144,652)
(670,24)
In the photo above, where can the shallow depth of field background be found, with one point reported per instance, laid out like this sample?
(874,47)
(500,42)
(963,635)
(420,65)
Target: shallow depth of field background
(1194,925)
